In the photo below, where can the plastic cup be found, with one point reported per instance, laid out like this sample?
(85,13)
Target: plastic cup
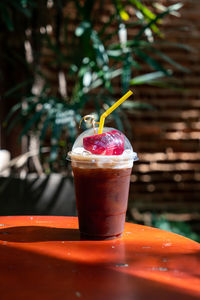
(101,188)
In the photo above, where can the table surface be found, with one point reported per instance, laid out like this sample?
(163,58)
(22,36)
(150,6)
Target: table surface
(42,257)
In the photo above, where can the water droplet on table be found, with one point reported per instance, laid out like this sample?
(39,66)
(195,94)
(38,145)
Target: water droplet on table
(159,269)
(122,265)
(166,245)
(78,294)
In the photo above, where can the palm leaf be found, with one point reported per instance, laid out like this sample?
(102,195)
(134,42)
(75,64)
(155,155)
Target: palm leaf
(157,18)
(144,9)
(143,79)
(152,62)
(17,87)
(33,121)
(82,28)
(18,6)
(171,61)
(126,72)
(101,55)
(11,112)
(147,13)
(137,105)
(176,45)
(6,16)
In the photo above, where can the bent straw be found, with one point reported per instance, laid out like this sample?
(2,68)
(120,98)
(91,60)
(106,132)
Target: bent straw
(113,107)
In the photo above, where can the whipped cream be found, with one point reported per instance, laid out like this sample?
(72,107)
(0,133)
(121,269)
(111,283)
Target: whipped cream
(85,159)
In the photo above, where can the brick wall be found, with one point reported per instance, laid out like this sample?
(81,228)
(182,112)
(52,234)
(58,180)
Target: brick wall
(167,175)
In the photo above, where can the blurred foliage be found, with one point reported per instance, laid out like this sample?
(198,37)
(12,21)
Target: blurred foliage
(182,228)
(162,221)
(87,58)
(8,9)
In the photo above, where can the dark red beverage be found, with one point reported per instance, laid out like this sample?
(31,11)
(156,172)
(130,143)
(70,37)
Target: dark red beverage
(102,165)
(101,198)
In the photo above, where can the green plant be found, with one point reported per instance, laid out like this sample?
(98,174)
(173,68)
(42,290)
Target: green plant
(92,61)
(178,227)
(172,222)
(8,9)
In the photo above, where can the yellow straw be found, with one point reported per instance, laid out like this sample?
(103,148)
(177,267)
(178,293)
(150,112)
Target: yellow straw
(113,107)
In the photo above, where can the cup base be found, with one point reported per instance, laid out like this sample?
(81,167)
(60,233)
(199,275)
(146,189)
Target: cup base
(88,237)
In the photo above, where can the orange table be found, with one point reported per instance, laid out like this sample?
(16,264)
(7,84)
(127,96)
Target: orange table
(43,258)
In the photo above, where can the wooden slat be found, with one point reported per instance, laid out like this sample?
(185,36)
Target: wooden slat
(167,176)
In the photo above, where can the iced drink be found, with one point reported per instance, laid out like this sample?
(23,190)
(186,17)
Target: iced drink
(102,184)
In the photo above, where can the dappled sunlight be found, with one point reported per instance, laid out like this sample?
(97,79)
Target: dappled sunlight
(145,261)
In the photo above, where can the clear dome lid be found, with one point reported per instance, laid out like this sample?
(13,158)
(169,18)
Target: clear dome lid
(111,142)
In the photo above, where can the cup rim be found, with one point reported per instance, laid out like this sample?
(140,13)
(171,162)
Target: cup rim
(106,159)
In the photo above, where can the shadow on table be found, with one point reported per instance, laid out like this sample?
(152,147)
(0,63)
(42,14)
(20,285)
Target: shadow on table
(37,195)
(29,274)
(31,234)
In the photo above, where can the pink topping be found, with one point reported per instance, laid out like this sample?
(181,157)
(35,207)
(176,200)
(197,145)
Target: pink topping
(108,143)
